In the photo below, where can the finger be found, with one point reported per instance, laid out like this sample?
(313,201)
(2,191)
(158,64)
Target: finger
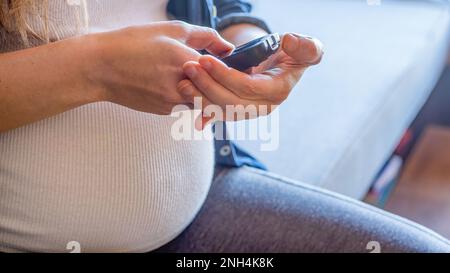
(235,108)
(186,90)
(303,49)
(251,87)
(189,92)
(201,38)
(209,87)
(211,112)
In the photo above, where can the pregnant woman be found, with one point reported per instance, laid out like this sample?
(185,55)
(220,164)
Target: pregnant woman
(86,153)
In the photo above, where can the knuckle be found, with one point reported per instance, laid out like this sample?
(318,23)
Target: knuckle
(208,31)
(178,23)
(212,32)
(180,26)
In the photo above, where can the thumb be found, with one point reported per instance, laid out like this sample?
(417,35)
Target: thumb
(303,49)
(203,38)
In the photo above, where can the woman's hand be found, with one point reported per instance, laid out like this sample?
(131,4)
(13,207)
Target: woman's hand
(140,67)
(268,85)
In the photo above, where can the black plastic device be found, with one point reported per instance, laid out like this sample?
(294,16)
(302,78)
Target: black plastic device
(253,53)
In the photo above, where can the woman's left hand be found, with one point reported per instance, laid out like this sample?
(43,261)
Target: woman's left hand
(268,84)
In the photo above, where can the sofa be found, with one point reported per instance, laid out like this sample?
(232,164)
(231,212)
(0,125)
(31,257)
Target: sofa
(343,121)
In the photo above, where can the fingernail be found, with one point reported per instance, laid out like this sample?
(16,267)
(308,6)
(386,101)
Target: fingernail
(190,71)
(206,64)
(291,43)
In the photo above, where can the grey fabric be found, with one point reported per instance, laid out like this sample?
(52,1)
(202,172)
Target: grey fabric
(249,210)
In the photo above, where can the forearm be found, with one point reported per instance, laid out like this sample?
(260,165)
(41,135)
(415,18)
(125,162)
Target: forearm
(242,33)
(41,82)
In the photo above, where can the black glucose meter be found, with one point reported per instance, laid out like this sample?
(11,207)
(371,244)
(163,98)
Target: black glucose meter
(253,53)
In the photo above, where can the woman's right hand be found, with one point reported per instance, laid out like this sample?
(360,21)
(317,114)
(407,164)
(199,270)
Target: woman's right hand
(140,67)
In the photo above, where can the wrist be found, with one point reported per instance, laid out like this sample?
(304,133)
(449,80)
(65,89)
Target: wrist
(89,65)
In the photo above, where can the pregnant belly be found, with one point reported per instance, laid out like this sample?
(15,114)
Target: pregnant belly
(104,176)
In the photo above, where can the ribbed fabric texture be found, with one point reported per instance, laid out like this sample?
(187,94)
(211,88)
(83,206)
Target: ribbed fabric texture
(103,175)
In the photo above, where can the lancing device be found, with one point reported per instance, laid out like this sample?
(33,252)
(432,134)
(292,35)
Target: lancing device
(253,53)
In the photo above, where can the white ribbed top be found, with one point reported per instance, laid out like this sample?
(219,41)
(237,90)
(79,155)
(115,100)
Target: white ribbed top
(103,175)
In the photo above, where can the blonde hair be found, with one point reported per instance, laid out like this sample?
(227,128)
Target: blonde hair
(15,16)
